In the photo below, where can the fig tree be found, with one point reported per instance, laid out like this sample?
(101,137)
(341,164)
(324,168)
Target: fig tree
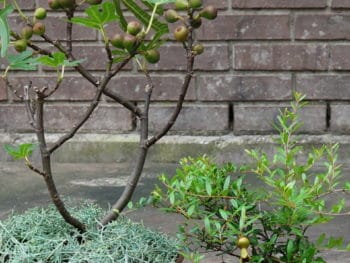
(67,3)
(171,16)
(40,13)
(38,28)
(198,49)
(181,33)
(20,45)
(195,3)
(181,5)
(152,56)
(209,12)
(117,41)
(94,2)
(54,4)
(27,32)
(129,42)
(133,28)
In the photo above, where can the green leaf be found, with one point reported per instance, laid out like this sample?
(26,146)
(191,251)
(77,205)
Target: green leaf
(223,214)
(21,151)
(190,210)
(207,224)
(145,17)
(58,59)
(98,16)
(4,29)
(227,183)
(242,219)
(208,187)
(23,61)
(122,21)
(160,2)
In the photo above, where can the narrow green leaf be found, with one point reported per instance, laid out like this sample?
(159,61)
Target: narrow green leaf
(223,214)
(227,183)
(207,224)
(208,187)
(119,12)
(242,219)
(4,29)
(190,210)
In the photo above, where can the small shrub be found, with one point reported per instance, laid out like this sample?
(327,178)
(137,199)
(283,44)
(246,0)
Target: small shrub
(267,223)
(41,235)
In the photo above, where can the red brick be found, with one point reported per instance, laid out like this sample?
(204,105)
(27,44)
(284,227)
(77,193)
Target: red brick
(279,3)
(165,87)
(14,118)
(259,118)
(281,57)
(3,90)
(340,4)
(193,118)
(244,87)
(71,89)
(95,57)
(340,121)
(324,87)
(335,26)
(107,118)
(26,5)
(339,57)
(215,57)
(243,27)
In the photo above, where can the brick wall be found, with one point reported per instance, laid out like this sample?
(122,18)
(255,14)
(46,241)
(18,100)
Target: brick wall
(257,53)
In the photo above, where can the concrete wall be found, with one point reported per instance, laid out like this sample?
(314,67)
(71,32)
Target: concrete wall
(257,53)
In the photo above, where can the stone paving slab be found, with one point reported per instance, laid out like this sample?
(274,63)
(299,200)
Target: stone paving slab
(102,183)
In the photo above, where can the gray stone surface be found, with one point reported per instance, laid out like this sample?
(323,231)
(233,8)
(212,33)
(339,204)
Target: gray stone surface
(102,183)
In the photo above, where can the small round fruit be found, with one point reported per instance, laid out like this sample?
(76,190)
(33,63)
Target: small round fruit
(129,42)
(209,12)
(38,28)
(195,3)
(198,49)
(40,13)
(181,5)
(171,16)
(117,41)
(181,33)
(27,32)
(67,3)
(54,4)
(152,56)
(196,22)
(94,2)
(20,45)
(133,28)
(243,242)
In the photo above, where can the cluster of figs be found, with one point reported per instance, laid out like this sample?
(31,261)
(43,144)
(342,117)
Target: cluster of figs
(129,39)
(37,27)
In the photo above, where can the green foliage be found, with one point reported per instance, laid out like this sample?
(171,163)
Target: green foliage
(4,29)
(98,16)
(58,59)
(20,151)
(41,235)
(23,61)
(220,206)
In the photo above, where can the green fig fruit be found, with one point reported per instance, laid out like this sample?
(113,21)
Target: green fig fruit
(133,28)
(181,5)
(152,56)
(181,33)
(198,49)
(20,45)
(38,28)
(27,32)
(94,2)
(171,16)
(117,41)
(67,3)
(195,3)
(209,12)
(40,13)
(196,22)
(129,42)
(54,4)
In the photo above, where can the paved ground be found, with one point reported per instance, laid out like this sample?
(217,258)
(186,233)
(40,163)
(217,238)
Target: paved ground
(102,183)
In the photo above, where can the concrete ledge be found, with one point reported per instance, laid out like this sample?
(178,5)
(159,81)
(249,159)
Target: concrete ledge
(107,148)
